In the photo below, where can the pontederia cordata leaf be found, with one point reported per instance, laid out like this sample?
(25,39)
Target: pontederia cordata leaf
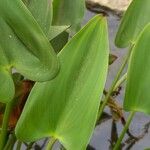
(66,12)
(56,31)
(58,37)
(60,41)
(24,44)
(137,97)
(134,20)
(66,107)
(6,81)
(42,12)
(7,86)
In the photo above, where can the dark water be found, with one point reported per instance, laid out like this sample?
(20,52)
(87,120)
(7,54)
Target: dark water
(102,135)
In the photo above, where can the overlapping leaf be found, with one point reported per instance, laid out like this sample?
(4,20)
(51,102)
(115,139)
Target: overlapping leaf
(66,107)
(6,81)
(7,86)
(60,41)
(42,12)
(66,12)
(137,97)
(133,22)
(56,31)
(23,46)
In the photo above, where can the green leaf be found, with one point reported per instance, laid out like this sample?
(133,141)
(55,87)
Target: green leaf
(42,12)
(56,31)
(6,82)
(31,52)
(133,22)
(67,106)
(23,46)
(137,97)
(59,37)
(66,12)
(60,41)
(7,86)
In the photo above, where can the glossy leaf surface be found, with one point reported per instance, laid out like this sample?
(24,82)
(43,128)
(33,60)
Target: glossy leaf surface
(67,12)
(137,97)
(66,107)
(133,22)
(23,46)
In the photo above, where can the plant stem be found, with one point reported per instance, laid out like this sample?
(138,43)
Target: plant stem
(19,145)
(117,145)
(5,125)
(10,142)
(120,81)
(50,144)
(113,85)
(29,147)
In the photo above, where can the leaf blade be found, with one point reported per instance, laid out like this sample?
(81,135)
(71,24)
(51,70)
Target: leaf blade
(79,85)
(135,19)
(137,89)
(7,85)
(42,12)
(32,40)
(67,13)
